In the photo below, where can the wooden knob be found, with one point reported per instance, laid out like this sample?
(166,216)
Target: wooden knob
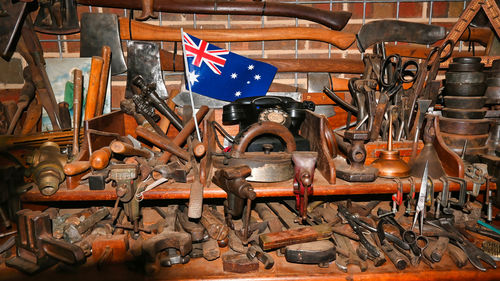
(100,158)
(199,148)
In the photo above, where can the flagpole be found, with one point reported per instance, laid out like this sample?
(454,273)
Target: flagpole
(186,67)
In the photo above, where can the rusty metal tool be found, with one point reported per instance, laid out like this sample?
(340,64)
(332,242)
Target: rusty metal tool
(25,97)
(396,30)
(238,263)
(103,80)
(214,226)
(93,88)
(350,256)
(125,176)
(399,260)
(36,248)
(267,215)
(232,181)
(167,240)
(77,109)
(354,147)
(149,93)
(255,252)
(304,163)
(64,115)
(196,229)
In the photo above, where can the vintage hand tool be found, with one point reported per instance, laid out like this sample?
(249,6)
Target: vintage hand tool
(232,181)
(93,88)
(356,154)
(11,21)
(238,263)
(25,97)
(148,93)
(267,166)
(317,252)
(143,59)
(103,80)
(73,233)
(47,167)
(215,227)
(396,30)
(396,258)
(33,115)
(162,142)
(124,176)
(254,251)
(133,30)
(126,149)
(347,255)
(170,241)
(37,249)
(304,162)
(474,254)
(196,229)
(64,115)
(335,20)
(77,109)
(422,197)
(99,159)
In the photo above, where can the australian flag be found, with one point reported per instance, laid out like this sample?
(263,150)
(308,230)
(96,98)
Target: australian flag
(224,75)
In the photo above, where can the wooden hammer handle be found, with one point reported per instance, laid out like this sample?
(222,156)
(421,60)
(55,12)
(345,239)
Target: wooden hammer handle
(103,81)
(162,142)
(77,109)
(144,31)
(93,89)
(128,150)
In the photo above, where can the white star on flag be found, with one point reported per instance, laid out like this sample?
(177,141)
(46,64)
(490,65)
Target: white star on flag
(237,94)
(256,77)
(251,67)
(193,77)
(248,82)
(234,75)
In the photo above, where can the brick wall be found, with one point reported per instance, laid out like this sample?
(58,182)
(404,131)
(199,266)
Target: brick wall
(442,13)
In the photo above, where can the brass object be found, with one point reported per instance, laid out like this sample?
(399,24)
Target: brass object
(389,163)
(47,167)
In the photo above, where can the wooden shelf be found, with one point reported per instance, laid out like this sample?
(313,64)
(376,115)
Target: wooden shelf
(280,189)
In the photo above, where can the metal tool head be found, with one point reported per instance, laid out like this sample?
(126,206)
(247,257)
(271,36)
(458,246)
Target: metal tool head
(143,58)
(421,199)
(395,30)
(11,21)
(98,30)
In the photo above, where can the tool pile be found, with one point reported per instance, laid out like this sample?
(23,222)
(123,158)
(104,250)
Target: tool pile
(168,144)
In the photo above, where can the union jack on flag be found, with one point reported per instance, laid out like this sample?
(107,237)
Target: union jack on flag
(224,75)
(201,54)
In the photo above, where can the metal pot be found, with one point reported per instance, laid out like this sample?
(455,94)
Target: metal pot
(464,102)
(464,89)
(464,113)
(464,126)
(465,77)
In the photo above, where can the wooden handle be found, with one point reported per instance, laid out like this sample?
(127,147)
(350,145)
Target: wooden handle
(162,142)
(276,240)
(185,133)
(199,148)
(93,89)
(64,116)
(100,158)
(77,109)
(33,114)
(76,167)
(103,82)
(148,32)
(169,62)
(128,150)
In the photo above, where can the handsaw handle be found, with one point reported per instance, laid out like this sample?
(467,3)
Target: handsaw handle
(148,32)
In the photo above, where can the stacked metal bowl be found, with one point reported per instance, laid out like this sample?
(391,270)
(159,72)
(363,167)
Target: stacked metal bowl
(463,115)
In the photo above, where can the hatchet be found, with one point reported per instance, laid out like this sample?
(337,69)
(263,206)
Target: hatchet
(333,19)
(99,29)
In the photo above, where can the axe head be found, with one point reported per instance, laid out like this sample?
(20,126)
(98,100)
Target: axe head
(98,30)
(143,58)
(396,30)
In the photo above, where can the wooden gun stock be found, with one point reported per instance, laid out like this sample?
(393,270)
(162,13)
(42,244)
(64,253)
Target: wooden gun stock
(100,158)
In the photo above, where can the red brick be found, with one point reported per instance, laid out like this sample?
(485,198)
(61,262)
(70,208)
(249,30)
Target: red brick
(439,9)
(410,10)
(357,10)
(383,10)
(455,9)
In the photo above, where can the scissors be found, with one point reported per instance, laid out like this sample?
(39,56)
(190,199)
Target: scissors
(394,73)
(420,209)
